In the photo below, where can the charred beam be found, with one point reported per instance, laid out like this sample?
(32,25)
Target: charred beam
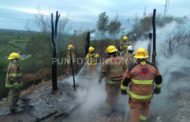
(54,53)
(154,37)
(46,117)
(87,43)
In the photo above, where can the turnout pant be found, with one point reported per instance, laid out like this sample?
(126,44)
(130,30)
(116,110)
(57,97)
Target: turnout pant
(90,70)
(113,91)
(139,110)
(13,97)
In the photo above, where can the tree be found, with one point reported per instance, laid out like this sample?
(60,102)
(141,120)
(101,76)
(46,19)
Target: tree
(177,43)
(63,21)
(42,21)
(102,23)
(114,26)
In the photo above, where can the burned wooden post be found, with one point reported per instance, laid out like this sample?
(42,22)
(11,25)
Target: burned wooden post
(56,23)
(150,44)
(73,73)
(154,37)
(54,53)
(87,43)
(46,117)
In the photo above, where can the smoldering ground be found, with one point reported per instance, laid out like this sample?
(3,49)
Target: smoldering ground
(91,96)
(173,67)
(172,61)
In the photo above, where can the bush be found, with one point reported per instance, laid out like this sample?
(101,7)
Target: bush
(39,47)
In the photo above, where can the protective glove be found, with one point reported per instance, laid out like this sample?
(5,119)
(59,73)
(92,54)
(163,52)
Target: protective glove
(123,92)
(157,91)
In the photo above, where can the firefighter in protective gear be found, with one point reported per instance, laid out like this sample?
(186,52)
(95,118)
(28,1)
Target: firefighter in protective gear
(124,38)
(70,56)
(143,80)
(13,82)
(124,45)
(128,56)
(112,69)
(91,60)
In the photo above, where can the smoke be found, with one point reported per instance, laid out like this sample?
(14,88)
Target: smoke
(141,43)
(174,68)
(177,61)
(91,97)
(91,94)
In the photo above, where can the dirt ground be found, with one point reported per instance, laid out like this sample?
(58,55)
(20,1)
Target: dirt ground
(63,107)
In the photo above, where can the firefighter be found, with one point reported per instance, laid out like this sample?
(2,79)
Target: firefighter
(123,45)
(112,69)
(129,59)
(143,80)
(13,82)
(91,59)
(70,55)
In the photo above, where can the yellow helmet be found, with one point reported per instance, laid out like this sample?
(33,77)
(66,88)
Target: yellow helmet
(124,38)
(14,55)
(111,49)
(141,53)
(91,49)
(70,46)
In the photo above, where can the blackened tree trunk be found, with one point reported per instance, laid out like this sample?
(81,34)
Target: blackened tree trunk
(87,43)
(154,37)
(72,68)
(54,53)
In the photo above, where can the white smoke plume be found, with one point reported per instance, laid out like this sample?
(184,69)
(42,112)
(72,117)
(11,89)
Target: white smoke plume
(170,66)
(92,95)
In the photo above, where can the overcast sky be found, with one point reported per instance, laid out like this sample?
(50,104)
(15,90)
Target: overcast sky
(83,14)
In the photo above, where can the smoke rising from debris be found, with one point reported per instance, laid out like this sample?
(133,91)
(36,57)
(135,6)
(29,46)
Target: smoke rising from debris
(92,95)
(172,61)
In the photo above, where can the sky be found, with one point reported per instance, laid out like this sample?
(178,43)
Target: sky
(83,14)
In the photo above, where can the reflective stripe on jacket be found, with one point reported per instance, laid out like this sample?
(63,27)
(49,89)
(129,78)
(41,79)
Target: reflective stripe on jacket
(113,82)
(142,81)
